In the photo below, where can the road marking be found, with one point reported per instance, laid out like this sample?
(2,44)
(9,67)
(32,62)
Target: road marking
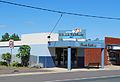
(19,74)
(31,73)
(90,78)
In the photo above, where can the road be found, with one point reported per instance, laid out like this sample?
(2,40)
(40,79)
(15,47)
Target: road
(65,76)
(108,79)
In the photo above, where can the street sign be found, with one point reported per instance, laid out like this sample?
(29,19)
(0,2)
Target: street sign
(11,43)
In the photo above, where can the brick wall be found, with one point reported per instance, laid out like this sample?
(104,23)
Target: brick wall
(110,40)
(92,55)
(105,57)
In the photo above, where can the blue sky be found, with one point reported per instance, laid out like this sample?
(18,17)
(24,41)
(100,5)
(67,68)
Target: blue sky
(20,20)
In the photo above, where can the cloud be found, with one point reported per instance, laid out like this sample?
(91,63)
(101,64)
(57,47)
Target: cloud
(3,26)
(29,23)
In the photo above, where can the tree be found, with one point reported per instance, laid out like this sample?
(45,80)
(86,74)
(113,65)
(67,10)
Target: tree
(97,39)
(14,37)
(89,39)
(24,54)
(5,37)
(7,57)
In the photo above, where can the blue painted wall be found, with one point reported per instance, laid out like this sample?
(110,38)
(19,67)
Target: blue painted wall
(47,61)
(46,55)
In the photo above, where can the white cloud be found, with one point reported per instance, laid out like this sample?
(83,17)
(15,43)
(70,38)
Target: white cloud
(3,26)
(29,23)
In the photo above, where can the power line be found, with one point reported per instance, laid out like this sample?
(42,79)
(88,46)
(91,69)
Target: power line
(56,24)
(61,12)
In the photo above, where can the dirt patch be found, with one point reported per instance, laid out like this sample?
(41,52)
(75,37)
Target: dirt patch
(11,70)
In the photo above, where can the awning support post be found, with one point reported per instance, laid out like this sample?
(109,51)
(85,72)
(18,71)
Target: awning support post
(69,59)
(102,59)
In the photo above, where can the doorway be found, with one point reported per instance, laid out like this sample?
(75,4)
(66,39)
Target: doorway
(114,57)
(61,57)
(113,54)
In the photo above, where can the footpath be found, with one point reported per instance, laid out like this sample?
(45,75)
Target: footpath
(22,71)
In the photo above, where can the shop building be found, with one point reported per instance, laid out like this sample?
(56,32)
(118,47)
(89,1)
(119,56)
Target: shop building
(67,48)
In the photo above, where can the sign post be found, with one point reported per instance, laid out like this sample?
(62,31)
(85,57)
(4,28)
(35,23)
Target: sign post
(11,44)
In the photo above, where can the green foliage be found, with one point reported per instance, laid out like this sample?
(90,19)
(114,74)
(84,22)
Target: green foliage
(14,37)
(16,64)
(97,39)
(2,63)
(6,57)
(5,37)
(24,54)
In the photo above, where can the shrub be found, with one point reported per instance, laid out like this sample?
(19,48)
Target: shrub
(24,54)
(16,64)
(3,63)
(7,57)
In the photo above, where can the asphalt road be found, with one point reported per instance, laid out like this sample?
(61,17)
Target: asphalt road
(108,79)
(63,76)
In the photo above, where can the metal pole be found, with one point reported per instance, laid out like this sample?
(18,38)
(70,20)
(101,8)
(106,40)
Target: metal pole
(45,62)
(69,59)
(102,59)
(11,53)
(63,57)
(37,60)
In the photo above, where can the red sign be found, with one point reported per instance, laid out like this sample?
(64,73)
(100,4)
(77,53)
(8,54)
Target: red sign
(11,43)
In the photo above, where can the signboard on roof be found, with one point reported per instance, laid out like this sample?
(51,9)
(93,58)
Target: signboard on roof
(72,34)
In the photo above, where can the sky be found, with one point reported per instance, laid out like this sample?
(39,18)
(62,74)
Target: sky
(20,20)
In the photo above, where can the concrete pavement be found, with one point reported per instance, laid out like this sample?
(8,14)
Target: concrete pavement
(63,70)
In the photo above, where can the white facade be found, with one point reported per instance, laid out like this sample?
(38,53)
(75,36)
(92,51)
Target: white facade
(37,41)
(38,38)
(6,43)
(30,39)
